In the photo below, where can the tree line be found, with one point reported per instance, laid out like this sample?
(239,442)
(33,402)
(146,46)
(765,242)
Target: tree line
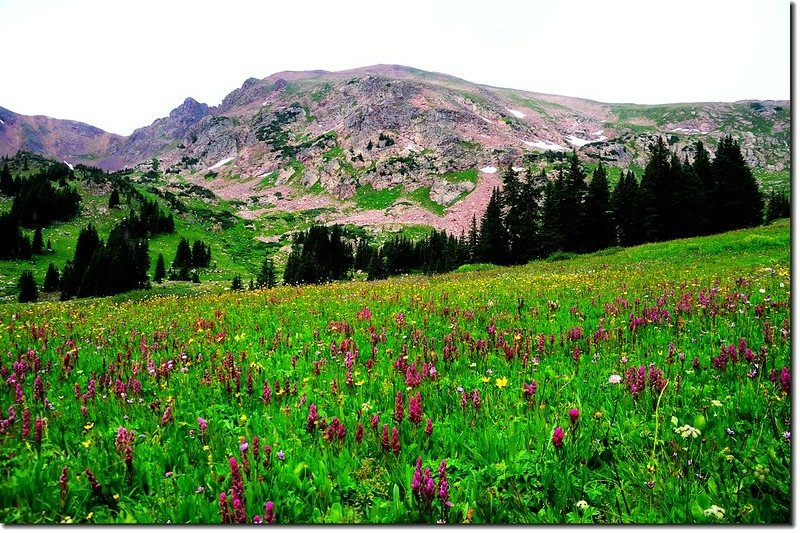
(532,217)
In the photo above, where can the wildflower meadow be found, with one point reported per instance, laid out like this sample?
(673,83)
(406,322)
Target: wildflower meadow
(641,385)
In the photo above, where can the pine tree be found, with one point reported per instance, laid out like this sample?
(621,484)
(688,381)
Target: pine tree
(266,278)
(113,200)
(529,245)
(183,255)
(740,202)
(702,168)
(689,216)
(37,246)
(493,238)
(51,279)
(160,272)
(551,234)
(656,194)
(623,203)
(6,181)
(778,206)
(573,193)
(236,283)
(28,292)
(597,209)
(473,240)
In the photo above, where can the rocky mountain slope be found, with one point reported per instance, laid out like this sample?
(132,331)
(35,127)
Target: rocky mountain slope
(387,145)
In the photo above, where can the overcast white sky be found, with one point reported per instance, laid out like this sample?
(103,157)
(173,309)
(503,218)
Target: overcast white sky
(120,65)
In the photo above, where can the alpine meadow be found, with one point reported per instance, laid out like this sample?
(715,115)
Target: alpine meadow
(392,296)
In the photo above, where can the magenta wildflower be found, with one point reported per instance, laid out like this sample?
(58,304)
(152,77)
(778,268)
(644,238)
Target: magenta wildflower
(269,513)
(359,433)
(267,392)
(395,441)
(313,417)
(224,512)
(385,437)
(203,425)
(399,407)
(256,448)
(26,423)
(257,519)
(97,488)
(428,427)
(375,421)
(166,418)
(476,399)
(558,437)
(415,409)
(529,389)
(38,388)
(573,415)
(62,480)
(281,455)
(786,380)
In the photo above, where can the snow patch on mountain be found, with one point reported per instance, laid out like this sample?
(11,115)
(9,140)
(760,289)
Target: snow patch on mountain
(518,114)
(219,164)
(545,145)
(489,170)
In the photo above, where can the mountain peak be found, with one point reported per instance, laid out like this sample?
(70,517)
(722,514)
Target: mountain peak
(189,109)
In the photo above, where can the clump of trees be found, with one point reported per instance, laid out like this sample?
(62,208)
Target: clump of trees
(189,258)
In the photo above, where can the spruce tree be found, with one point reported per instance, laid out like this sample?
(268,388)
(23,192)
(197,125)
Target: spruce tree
(689,211)
(597,211)
(28,292)
(473,239)
(551,234)
(236,283)
(573,193)
(656,194)
(183,255)
(493,237)
(528,245)
(160,272)
(51,279)
(266,277)
(623,203)
(778,206)
(37,246)
(740,202)
(113,200)
(702,168)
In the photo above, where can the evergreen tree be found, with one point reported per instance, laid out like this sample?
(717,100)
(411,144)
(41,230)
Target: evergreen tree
(597,212)
(740,202)
(266,278)
(778,206)
(473,241)
(493,238)
(656,194)
(362,256)
(529,245)
(689,216)
(572,195)
(236,283)
(51,279)
(183,255)
(28,292)
(37,246)
(160,272)
(623,203)
(25,250)
(113,200)
(6,182)
(702,168)
(551,234)
(377,267)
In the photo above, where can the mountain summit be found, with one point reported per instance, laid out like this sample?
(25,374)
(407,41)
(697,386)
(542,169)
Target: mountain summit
(322,140)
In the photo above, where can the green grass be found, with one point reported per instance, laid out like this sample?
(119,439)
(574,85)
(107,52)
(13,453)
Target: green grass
(627,456)
(368,198)
(470,175)
(422,196)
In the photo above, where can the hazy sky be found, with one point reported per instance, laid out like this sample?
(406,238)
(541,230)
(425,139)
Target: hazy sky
(120,65)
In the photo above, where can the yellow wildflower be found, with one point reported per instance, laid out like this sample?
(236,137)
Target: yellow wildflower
(501,382)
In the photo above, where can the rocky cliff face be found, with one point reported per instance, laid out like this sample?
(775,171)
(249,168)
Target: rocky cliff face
(316,140)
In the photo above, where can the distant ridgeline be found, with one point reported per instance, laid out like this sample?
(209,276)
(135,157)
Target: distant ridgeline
(524,221)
